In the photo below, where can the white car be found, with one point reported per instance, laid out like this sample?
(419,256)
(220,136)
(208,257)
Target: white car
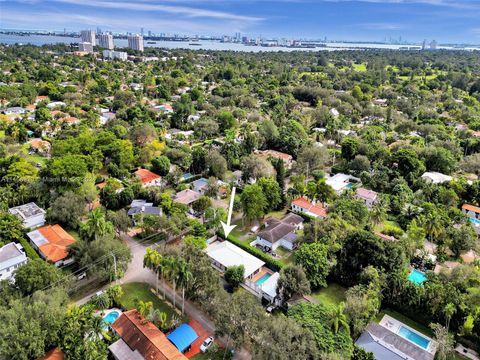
(206,344)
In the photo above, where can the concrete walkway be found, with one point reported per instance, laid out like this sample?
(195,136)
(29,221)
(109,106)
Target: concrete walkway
(137,273)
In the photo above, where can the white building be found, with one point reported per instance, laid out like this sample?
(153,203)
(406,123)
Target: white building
(31,215)
(436,177)
(135,42)
(258,279)
(341,182)
(369,197)
(105,41)
(11,258)
(88,36)
(85,47)
(110,54)
(279,233)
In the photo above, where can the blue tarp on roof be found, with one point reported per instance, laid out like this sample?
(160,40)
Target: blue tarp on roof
(182,337)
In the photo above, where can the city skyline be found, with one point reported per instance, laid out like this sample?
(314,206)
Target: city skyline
(449,21)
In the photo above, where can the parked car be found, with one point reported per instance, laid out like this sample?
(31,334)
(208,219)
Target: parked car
(206,344)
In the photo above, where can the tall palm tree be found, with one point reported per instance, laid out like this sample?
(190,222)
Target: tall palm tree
(185,277)
(379,211)
(96,224)
(449,311)
(152,261)
(338,318)
(144,307)
(172,274)
(444,339)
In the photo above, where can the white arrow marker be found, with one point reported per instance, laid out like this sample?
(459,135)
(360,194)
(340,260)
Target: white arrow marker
(227,228)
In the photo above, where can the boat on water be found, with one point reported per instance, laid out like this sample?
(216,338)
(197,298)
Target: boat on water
(194,44)
(151,42)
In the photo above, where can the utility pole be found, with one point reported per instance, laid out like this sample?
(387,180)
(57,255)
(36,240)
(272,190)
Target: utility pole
(115,265)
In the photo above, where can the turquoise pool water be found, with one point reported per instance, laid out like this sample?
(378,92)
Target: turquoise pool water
(111,317)
(475,221)
(417,277)
(349,186)
(264,278)
(414,337)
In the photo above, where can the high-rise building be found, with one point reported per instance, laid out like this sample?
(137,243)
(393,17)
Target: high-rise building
(135,42)
(424,45)
(85,47)
(89,36)
(109,54)
(105,41)
(433,45)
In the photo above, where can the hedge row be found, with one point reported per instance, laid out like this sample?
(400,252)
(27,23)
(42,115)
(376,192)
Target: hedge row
(29,251)
(271,263)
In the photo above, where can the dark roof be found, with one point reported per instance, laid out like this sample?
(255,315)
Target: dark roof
(147,210)
(182,337)
(382,339)
(275,230)
(145,337)
(292,219)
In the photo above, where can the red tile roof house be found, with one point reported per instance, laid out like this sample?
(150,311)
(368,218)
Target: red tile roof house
(52,243)
(148,178)
(306,207)
(369,197)
(140,339)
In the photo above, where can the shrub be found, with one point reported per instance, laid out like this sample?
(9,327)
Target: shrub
(29,251)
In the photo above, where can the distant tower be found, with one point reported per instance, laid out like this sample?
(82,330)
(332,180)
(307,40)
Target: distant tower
(433,45)
(89,36)
(141,31)
(106,41)
(135,42)
(424,45)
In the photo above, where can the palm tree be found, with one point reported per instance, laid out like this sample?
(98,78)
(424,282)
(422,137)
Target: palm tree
(152,261)
(432,224)
(96,224)
(172,274)
(185,277)
(379,211)
(144,307)
(448,311)
(157,317)
(444,339)
(338,318)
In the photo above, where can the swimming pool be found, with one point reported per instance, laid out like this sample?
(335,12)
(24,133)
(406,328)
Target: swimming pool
(417,277)
(413,337)
(349,186)
(475,221)
(111,317)
(264,278)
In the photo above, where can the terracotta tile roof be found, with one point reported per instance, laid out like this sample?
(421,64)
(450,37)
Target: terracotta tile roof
(146,176)
(54,354)
(58,242)
(473,208)
(144,337)
(308,206)
(276,154)
(101,185)
(72,120)
(31,107)
(41,98)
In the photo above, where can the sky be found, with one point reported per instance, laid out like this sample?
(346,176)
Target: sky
(447,21)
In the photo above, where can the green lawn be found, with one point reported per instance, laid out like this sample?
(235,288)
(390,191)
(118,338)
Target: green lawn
(406,320)
(360,67)
(286,255)
(141,291)
(332,295)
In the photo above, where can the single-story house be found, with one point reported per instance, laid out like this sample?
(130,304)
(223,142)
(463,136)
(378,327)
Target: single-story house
(369,197)
(309,208)
(473,212)
(286,158)
(31,215)
(183,337)
(200,185)
(52,243)
(148,178)
(380,102)
(41,98)
(55,104)
(142,207)
(12,257)
(259,280)
(279,233)
(389,340)
(16,110)
(436,177)
(54,354)
(340,182)
(186,197)
(141,340)
(40,146)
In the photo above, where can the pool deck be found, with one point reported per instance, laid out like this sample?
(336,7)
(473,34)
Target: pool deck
(261,273)
(105,313)
(394,326)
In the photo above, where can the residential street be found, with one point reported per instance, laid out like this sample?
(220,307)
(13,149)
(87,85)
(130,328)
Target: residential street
(137,273)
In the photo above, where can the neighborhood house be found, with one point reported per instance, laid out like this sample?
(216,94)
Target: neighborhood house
(341,182)
(11,258)
(52,243)
(148,178)
(302,205)
(436,177)
(259,280)
(279,233)
(31,215)
(369,197)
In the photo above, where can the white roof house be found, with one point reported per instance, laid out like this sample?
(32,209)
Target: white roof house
(436,177)
(340,182)
(31,215)
(227,254)
(11,258)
